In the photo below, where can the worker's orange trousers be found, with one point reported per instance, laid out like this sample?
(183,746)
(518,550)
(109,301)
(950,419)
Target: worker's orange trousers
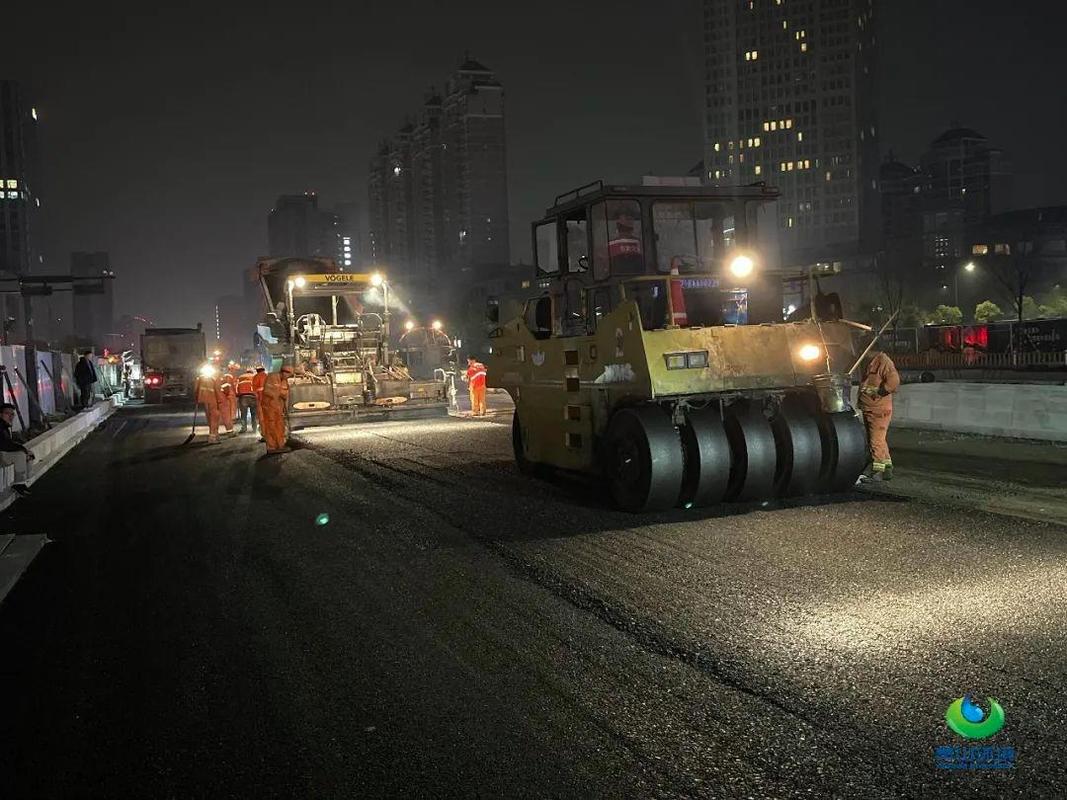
(228,411)
(877,423)
(211,411)
(272,423)
(477,400)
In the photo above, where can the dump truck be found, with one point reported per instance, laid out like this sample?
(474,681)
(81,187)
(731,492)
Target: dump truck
(170,361)
(332,327)
(657,357)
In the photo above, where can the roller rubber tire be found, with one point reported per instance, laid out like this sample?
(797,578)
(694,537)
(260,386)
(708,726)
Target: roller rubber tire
(707,460)
(845,454)
(755,456)
(642,459)
(526,467)
(800,454)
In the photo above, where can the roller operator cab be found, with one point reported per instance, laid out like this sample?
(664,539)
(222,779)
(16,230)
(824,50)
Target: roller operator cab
(333,328)
(657,356)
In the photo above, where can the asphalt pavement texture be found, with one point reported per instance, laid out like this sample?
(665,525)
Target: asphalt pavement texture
(392,610)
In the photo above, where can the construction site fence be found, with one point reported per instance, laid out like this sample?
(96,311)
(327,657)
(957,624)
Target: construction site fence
(979,360)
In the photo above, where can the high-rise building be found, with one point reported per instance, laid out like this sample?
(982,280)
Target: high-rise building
(475,176)
(438,188)
(351,237)
(789,100)
(233,331)
(94,313)
(298,228)
(427,151)
(20,201)
(965,181)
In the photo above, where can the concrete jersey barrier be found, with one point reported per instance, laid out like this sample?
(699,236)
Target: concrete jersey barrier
(49,447)
(1014,411)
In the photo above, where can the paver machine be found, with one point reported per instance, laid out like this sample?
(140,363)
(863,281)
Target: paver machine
(657,356)
(333,327)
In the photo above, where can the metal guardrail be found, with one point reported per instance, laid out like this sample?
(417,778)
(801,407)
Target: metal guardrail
(979,360)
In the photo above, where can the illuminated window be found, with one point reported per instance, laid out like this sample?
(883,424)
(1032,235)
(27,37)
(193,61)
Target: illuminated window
(774,126)
(998,249)
(12,184)
(789,123)
(790,166)
(828,176)
(980,250)
(718,174)
(766,126)
(33,113)
(803,47)
(800,136)
(759,170)
(718,147)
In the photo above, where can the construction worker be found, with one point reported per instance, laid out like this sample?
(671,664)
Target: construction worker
(228,404)
(257,386)
(475,379)
(880,380)
(246,399)
(209,396)
(272,409)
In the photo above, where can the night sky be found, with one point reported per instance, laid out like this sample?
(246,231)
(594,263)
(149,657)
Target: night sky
(168,133)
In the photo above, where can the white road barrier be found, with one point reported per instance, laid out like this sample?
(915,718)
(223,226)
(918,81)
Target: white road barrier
(1014,411)
(49,447)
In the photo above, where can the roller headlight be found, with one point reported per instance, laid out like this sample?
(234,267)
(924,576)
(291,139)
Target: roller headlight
(742,266)
(810,352)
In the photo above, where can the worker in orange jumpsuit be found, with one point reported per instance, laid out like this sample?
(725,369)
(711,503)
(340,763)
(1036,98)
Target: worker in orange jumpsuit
(257,386)
(475,378)
(228,407)
(880,380)
(272,410)
(209,396)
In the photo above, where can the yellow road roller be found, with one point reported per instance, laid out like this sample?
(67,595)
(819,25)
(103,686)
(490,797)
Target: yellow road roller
(657,356)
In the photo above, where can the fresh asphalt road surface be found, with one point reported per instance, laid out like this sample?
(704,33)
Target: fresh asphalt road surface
(456,629)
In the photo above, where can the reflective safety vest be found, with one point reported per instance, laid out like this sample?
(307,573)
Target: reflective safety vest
(245,383)
(679,315)
(476,375)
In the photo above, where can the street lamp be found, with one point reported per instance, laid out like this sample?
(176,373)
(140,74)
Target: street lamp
(969,267)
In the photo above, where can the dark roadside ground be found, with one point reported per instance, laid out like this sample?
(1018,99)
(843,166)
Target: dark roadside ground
(458,630)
